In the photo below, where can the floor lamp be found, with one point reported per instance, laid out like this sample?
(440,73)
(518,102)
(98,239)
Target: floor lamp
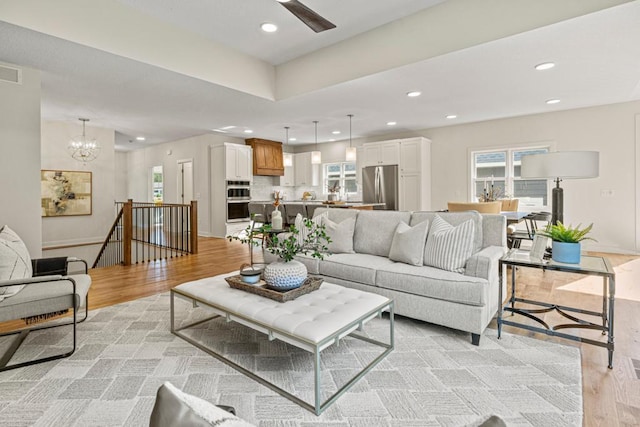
(560,165)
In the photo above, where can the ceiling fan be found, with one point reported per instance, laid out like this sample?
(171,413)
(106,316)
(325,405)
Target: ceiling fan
(314,21)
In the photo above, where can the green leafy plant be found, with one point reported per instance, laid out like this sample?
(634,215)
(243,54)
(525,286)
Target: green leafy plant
(567,234)
(288,246)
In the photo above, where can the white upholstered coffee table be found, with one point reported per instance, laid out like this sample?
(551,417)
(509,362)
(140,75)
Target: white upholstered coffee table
(311,322)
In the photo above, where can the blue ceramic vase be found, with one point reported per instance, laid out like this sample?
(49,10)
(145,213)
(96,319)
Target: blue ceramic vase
(568,253)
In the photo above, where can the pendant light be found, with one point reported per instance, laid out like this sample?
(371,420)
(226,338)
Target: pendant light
(316,156)
(287,158)
(350,155)
(82,148)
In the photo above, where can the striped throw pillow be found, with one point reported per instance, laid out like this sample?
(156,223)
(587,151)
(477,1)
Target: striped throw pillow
(449,247)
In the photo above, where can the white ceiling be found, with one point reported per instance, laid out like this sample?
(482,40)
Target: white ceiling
(597,57)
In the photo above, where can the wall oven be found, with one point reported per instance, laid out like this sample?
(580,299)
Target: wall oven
(238,198)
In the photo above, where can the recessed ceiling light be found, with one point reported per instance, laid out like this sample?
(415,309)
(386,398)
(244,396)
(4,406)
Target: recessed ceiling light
(553,101)
(545,66)
(227,127)
(391,123)
(140,138)
(268,27)
(336,132)
(292,139)
(219,130)
(414,93)
(283,1)
(248,131)
(452,116)
(331,140)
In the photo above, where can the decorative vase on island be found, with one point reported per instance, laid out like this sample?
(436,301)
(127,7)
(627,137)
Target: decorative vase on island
(283,276)
(568,253)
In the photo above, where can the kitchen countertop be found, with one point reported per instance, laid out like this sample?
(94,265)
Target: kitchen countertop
(349,204)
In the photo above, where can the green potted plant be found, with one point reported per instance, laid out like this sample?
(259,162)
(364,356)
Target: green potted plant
(566,241)
(287,273)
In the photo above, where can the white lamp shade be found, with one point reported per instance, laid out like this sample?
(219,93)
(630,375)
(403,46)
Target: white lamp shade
(561,164)
(316,157)
(287,159)
(350,155)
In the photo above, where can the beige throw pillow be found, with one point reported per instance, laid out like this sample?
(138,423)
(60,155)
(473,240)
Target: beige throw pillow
(341,235)
(408,243)
(15,262)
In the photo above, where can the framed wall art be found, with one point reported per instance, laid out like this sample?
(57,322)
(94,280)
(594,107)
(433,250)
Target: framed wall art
(65,193)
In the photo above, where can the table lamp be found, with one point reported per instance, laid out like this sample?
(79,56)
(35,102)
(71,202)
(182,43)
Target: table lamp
(560,165)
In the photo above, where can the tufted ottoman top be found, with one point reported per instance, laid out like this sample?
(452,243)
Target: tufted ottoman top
(312,317)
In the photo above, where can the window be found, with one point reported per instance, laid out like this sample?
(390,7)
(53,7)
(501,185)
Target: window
(341,175)
(499,171)
(157,185)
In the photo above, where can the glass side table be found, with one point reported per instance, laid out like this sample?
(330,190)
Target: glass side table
(590,266)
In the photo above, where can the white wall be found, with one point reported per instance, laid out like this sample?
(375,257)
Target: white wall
(20,158)
(196,148)
(67,230)
(121,177)
(609,129)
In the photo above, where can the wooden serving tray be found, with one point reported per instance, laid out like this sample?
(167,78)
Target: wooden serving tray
(261,288)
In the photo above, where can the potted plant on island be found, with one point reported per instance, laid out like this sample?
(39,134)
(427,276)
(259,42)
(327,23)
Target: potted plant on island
(288,273)
(566,241)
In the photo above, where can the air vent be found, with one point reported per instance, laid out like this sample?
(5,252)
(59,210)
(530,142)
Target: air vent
(11,75)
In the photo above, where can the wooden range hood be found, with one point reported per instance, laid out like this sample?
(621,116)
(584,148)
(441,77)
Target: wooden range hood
(267,157)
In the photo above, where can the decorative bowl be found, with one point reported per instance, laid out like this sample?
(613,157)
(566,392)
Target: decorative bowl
(250,275)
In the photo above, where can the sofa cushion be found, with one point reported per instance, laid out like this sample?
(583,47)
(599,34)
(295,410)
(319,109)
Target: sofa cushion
(15,262)
(408,243)
(341,235)
(375,230)
(457,218)
(360,268)
(449,247)
(433,283)
(336,214)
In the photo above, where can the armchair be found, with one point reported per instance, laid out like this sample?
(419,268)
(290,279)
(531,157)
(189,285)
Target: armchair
(41,299)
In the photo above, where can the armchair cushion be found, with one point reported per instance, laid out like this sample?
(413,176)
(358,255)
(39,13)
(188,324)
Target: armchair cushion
(15,262)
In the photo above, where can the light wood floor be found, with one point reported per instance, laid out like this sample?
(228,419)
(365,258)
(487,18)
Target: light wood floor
(611,397)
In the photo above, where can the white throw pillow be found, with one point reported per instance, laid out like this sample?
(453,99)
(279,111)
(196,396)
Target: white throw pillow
(449,247)
(174,407)
(15,262)
(408,243)
(303,231)
(341,235)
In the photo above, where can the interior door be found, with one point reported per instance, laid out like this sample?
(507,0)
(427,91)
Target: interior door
(185,181)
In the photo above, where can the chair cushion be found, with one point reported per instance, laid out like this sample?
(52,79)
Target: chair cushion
(177,408)
(408,243)
(359,268)
(433,283)
(449,247)
(45,297)
(341,235)
(15,262)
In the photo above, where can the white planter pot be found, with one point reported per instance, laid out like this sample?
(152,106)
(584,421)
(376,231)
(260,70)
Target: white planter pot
(285,275)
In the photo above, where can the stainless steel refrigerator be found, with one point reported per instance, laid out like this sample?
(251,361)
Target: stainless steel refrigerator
(380,185)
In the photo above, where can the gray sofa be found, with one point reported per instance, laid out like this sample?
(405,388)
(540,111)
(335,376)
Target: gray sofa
(465,301)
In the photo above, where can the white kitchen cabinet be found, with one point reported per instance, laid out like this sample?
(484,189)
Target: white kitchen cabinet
(381,153)
(289,178)
(305,173)
(238,162)
(415,174)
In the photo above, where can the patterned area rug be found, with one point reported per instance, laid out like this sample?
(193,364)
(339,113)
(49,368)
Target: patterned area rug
(434,377)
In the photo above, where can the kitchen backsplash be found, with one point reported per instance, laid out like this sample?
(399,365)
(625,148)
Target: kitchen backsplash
(263,187)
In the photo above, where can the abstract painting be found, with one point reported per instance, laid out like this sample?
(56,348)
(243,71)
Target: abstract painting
(65,193)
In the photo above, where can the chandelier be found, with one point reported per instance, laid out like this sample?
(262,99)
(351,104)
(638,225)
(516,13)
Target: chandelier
(84,149)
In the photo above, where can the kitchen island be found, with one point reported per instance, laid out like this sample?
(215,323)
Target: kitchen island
(305,207)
